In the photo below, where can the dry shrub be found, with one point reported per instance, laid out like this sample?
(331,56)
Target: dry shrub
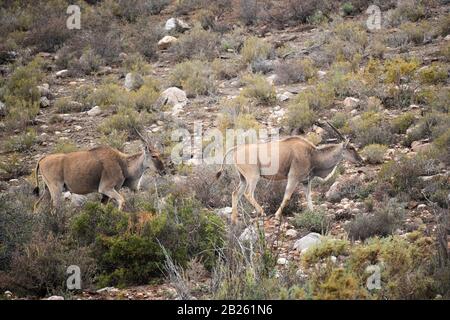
(196,44)
(295,71)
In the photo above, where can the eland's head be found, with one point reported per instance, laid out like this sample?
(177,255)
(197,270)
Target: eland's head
(152,156)
(349,151)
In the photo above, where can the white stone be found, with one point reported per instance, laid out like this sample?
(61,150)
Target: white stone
(351,103)
(321,74)
(44,102)
(95,111)
(166,42)
(292,233)
(249,235)
(174,23)
(176,98)
(303,244)
(55,298)
(226,211)
(282,261)
(271,79)
(133,81)
(2,109)
(284,96)
(62,73)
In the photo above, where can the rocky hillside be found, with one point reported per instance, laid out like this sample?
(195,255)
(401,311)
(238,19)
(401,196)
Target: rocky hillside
(380,76)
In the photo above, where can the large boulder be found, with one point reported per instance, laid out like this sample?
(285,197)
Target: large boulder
(351,103)
(175,97)
(174,24)
(311,239)
(418,146)
(166,42)
(133,81)
(95,111)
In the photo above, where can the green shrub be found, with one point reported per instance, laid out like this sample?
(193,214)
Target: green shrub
(339,120)
(196,44)
(115,139)
(429,126)
(385,219)
(12,167)
(21,142)
(314,221)
(409,10)
(374,153)
(64,146)
(65,105)
(224,69)
(371,128)
(195,77)
(433,74)
(299,115)
(402,176)
(402,122)
(126,119)
(21,95)
(144,99)
(108,95)
(88,63)
(259,89)
(318,97)
(415,33)
(128,246)
(295,71)
(255,49)
(348,9)
(398,70)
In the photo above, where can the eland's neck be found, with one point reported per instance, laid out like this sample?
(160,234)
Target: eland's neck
(136,165)
(327,157)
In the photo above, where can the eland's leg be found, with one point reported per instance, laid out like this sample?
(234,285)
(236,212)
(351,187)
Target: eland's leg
(307,187)
(250,194)
(112,193)
(290,188)
(236,196)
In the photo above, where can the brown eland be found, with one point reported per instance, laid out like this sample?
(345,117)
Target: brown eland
(101,169)
(292,158)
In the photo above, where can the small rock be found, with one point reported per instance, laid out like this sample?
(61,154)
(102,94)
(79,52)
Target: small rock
(95,111)
(2,109)
(418,146)
(178,24)
(224,212)
(249,235)
(282,261)
(55,298)
(292,233)
(272,79)
(107,289)
(104,70)
(421,206)
(133,81)
(303,244)
(62,73)
(284,96)
(321,74)
(44,90)
(166,42)
(44,102)
(351,103)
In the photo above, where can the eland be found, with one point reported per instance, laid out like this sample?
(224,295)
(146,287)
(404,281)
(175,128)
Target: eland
(101,169)
(296,160)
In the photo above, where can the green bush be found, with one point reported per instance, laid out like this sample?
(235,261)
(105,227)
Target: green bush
(194,76)
(402,122)
(196,44)
(371,128)
(433,74)
(126,119)
(314,221)
(128,246)
(299,115)
(348,9)
(374,153)
(21,142)
(259,89)
(255,49)
(385,219)
(21,94)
